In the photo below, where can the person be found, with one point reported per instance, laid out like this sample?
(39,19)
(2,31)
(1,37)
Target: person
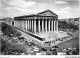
(74,52)
(67,51)
(54,51)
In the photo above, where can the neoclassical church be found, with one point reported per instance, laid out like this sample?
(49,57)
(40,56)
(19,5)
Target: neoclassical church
(43,25)
(45,21)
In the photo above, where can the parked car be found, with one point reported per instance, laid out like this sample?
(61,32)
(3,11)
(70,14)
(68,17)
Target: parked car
(31,43)
(36,48)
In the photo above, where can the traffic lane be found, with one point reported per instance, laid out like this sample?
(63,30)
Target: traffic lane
(68,44)
(24,47)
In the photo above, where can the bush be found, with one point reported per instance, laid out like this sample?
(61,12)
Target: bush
(9,49)
(4,26)
(75,27)
(3,45)
(17,33)
(65,25)
(9,30)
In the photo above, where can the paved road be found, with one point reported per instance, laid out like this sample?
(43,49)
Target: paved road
(24,47)
(66,44)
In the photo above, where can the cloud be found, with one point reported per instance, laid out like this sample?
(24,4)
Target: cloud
(63,12)
(25,7)
(60,2)
(65,8)
(67,12)
(18,7)
(21,3)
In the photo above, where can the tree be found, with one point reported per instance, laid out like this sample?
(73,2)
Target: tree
(3,26)
(72,26)
(17,33)
(65,25)
(9,30)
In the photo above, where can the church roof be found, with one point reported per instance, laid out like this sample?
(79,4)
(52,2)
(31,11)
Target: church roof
(46,13)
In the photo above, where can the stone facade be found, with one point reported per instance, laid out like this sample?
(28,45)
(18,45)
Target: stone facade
(45,21)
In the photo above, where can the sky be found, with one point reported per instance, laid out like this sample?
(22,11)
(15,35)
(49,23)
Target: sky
(63,8)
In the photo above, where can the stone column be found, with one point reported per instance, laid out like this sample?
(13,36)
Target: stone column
(30,25)
(39,25)
(26,25)
(52,25)
(11,23)
(57,25)
(49,25)
(22,24)
(19,24)
(46,25)
(42,25)
(34,26)
(14,23)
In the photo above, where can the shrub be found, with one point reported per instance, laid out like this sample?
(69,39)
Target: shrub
(65,25)
(9,30)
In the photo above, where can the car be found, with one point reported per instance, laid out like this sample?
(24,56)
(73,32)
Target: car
(43,49)
(38,53)
(36,48)
(30,43)
(43,53)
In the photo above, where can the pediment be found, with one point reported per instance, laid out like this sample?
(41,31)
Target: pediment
(47,13)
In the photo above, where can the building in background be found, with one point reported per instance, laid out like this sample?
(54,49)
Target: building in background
(7,20)
(74,21)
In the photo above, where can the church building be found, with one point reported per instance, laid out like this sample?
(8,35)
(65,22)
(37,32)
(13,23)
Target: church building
(45,21)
